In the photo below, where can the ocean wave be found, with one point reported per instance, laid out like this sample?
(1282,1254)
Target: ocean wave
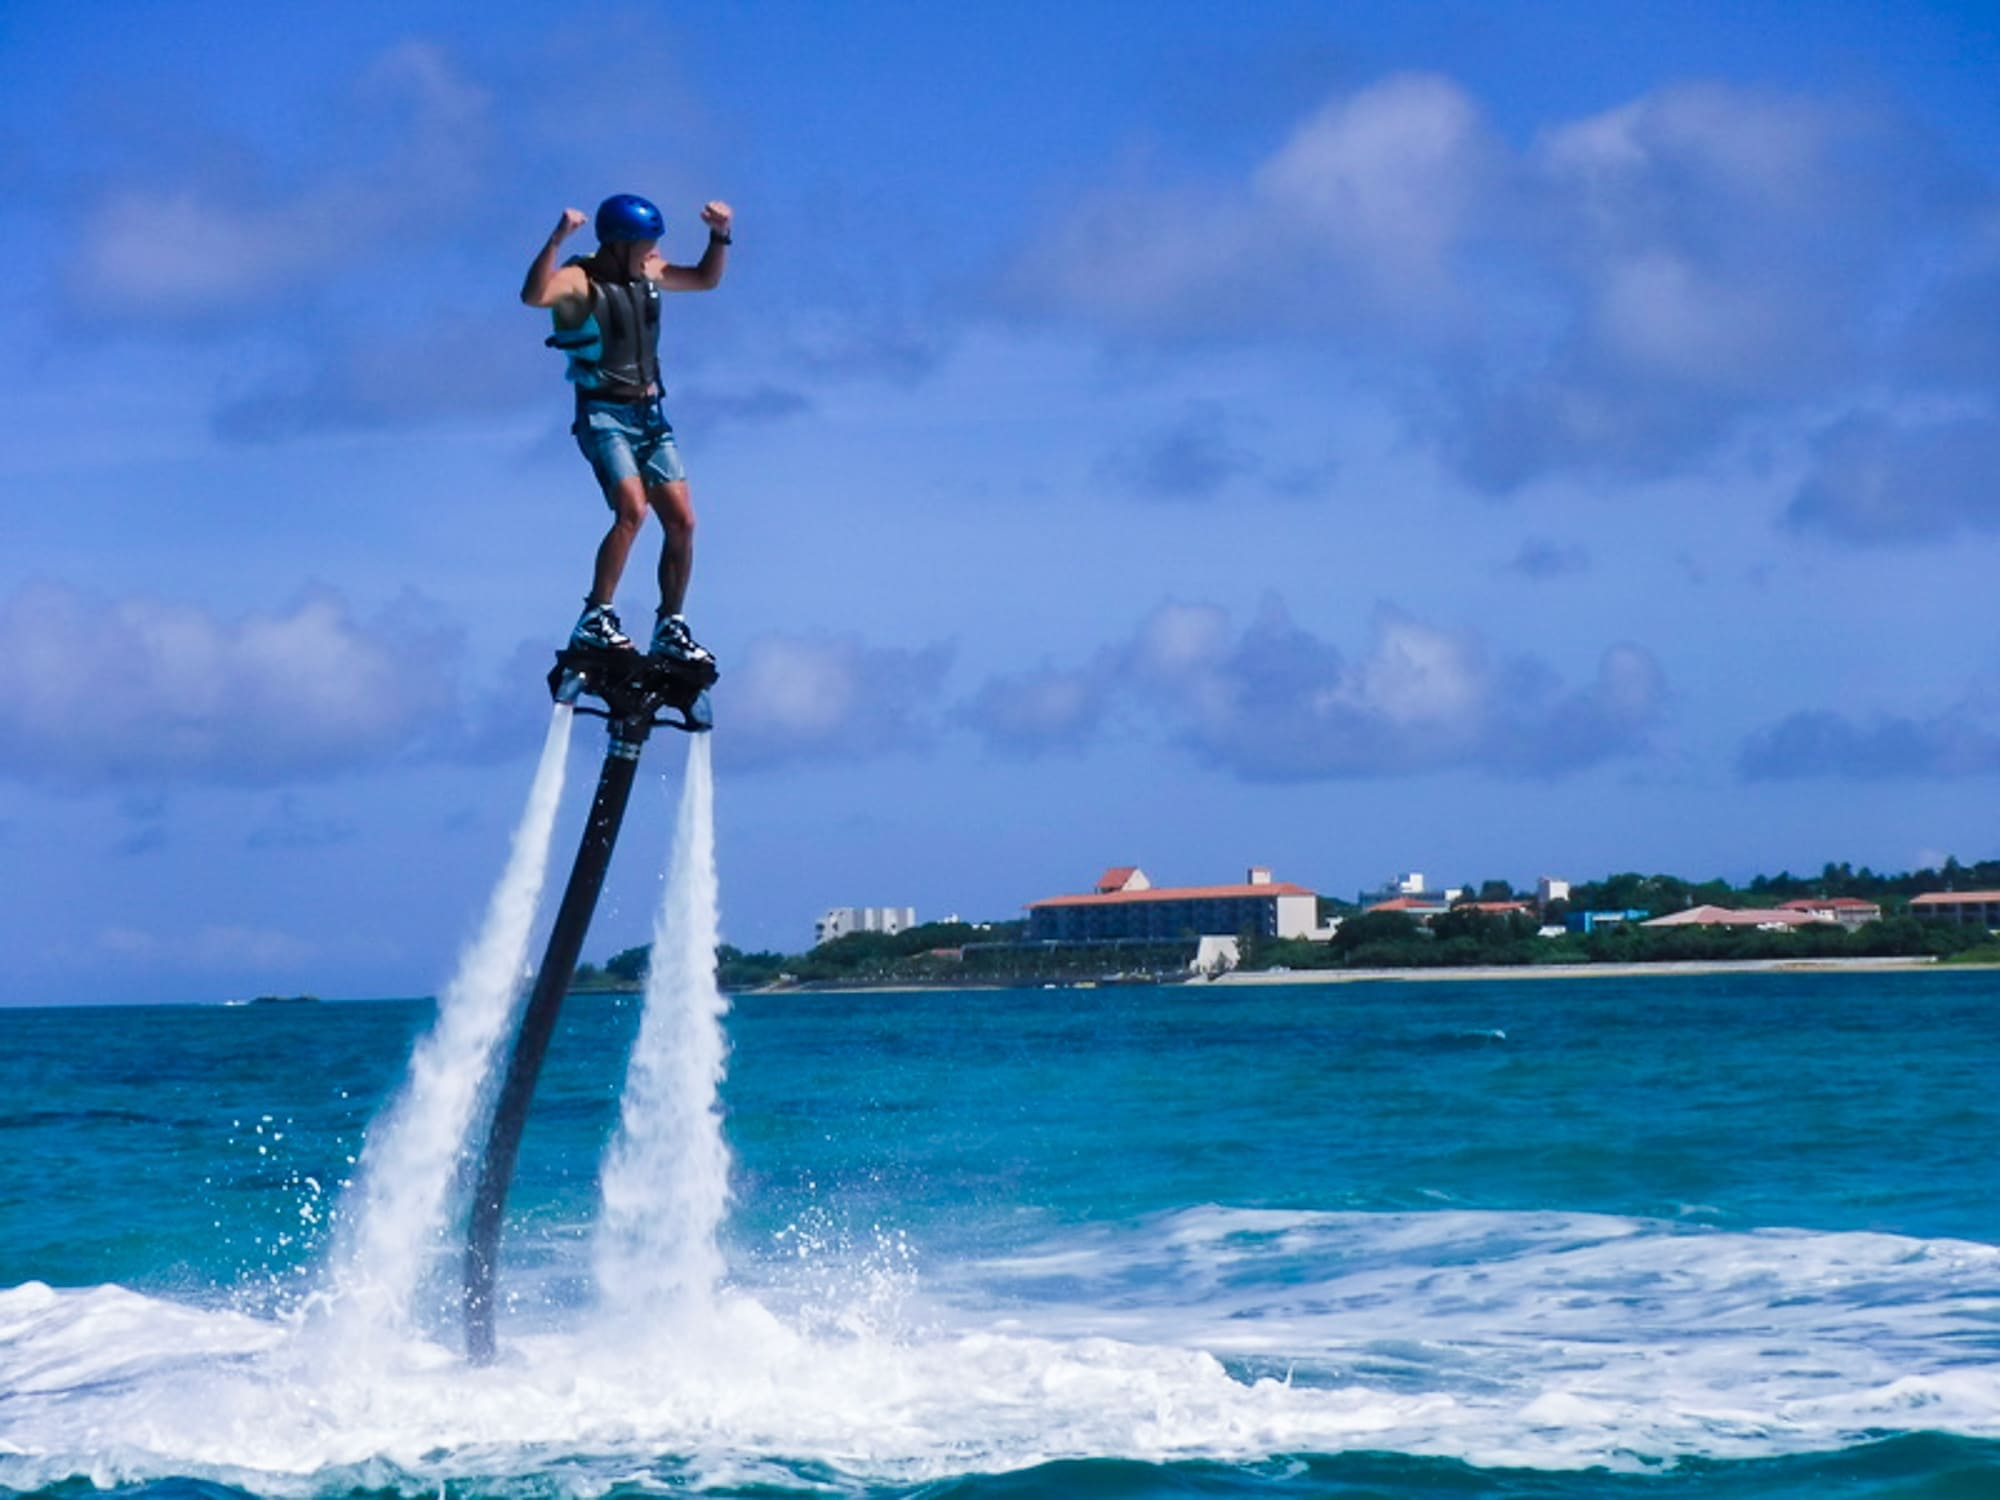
(1553,1342)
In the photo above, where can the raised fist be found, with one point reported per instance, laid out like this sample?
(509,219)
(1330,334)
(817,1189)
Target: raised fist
(716,215)
(572,220)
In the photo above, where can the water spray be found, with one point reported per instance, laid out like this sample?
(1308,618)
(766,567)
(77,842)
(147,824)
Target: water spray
(410,1161)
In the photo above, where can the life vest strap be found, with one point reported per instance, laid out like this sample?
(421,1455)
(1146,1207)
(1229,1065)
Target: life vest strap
(619,395)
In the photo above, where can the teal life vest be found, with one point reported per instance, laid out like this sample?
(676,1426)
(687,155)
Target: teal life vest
(614,353)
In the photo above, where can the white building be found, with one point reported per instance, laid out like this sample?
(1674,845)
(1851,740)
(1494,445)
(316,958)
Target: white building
(842,920)
(1849,911)
(1549,889)
(1214,956)
(1396,886)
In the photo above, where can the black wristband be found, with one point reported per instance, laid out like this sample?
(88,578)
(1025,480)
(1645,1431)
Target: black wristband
(719,239)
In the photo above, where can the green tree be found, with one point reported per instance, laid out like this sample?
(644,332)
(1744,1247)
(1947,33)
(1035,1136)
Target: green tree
(1376,929)
(630,965)
(737,970)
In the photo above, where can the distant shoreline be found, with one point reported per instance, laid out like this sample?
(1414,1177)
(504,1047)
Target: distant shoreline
(1439,974)
(1261,978)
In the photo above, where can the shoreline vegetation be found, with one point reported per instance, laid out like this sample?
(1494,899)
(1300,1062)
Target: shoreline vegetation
(1464,942)
(1259,978)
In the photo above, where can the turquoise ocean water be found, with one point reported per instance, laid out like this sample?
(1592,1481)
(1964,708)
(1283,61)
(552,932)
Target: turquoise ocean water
(1724,1236)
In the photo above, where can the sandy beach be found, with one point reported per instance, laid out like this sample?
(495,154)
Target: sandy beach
(1584,971)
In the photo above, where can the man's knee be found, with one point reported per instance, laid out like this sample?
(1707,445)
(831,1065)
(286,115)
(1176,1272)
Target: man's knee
(628,504)
(675,506)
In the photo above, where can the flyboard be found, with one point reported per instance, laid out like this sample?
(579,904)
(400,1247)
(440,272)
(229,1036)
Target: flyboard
(639,694)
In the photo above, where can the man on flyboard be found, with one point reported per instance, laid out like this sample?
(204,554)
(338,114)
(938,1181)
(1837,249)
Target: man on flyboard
(607,320)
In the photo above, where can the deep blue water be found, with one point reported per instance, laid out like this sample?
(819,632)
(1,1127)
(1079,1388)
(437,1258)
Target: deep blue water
(1658,1236)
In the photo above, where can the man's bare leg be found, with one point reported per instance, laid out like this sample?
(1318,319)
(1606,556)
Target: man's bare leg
(671,637)
(628,505)
(675,508)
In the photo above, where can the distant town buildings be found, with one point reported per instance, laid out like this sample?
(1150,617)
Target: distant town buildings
(1408,893)
(842,920)
(1967,908)
(1124,929)
(1395,887)
(1124,904)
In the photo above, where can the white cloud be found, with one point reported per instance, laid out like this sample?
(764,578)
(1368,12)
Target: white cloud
(1355,221)
(143,691)
(186,248)
(1725,236)
(1417,678)
(1390,179)
(1618,297)
(1756,146)
(146,693)
(1180,637)
(827,698)
(1273,702)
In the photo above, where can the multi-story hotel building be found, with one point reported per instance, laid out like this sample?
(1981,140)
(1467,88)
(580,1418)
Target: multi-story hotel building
(1970,908)
(1125,904)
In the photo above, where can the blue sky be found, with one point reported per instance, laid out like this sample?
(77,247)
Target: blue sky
(1487,440)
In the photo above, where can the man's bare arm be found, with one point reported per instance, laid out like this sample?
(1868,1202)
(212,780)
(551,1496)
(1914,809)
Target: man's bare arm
(705,274)
(548,283)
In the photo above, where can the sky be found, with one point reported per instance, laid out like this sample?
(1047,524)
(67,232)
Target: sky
(1489,441)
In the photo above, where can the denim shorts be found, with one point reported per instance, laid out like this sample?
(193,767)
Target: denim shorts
(627,439)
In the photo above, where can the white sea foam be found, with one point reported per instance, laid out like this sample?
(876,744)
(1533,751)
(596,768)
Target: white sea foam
(400,1213)
(665,1181)
(1564,1337)
(1546,1340)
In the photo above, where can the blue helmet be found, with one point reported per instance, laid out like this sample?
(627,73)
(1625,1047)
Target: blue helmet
(627,216)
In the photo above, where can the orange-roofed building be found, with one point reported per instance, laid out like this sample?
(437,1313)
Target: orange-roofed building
(1848,911)
(1134,908)
(1969,908)
(1423,908)
(1728,916)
